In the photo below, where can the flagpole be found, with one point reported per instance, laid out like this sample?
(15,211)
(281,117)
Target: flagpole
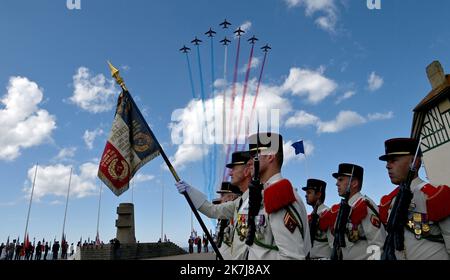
(31,200)
(119,80)
(98,214)
(132,191)
(306,166)
(65,211)
(162,211)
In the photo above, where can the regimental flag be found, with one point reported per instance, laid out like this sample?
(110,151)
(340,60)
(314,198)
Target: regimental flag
(26,244)
(130,145)
(299,148)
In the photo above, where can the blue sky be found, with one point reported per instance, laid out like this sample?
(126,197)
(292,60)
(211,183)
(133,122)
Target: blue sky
(345,78)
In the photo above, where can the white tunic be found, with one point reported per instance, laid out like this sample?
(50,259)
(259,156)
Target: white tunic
(423,249)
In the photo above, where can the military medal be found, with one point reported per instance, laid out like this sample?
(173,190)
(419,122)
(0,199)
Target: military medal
(425,228)
(417,219)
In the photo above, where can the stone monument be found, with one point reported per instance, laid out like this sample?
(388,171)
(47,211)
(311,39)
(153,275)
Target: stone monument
(125,223)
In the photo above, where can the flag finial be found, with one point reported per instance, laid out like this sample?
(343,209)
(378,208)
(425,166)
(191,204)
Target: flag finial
(115,74)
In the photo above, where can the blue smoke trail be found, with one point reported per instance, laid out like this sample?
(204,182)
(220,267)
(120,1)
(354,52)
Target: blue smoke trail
(202,91)
(190,76)
(214,154)
(194,97)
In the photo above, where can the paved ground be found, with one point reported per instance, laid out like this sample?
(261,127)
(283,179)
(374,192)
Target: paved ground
(201,256)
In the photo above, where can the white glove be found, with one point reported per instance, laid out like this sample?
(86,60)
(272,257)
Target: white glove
(196,196)
(182,186)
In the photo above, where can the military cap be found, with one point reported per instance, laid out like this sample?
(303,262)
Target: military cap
(239,158)
(266,142)
(345,169)
(399,147)
(216,201)
(227,187)
(316,185)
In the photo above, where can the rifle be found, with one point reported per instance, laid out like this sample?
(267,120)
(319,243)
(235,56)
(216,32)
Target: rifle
(399,215)
(223,224)
(254,196)
(341,223)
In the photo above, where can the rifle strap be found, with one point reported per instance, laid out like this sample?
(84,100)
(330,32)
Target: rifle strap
(372,207)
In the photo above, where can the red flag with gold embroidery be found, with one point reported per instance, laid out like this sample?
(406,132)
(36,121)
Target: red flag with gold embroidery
(130,145)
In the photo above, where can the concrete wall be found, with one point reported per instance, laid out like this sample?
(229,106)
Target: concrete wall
(131,251)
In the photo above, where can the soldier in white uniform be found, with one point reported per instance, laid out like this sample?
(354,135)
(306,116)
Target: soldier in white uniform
(282,230)
(240,173)
(364,234)
(427,231)
(228,192)
(315,197)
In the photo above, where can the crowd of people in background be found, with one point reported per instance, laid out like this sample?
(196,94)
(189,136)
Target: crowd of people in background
(16,250)
(198,242)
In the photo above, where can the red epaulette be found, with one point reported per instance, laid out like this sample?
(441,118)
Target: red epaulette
(359,212)
(334,211)
(278,196)
(438,202)
(309,218)
(385,204)
(325,220)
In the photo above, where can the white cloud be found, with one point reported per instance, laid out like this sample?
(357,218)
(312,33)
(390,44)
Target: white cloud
(380,116)
(246,26)
(289,151)
(327,8)
(188,123)
(94,94)
(22,123)
(375,82)
(66,153)
(301,119)
(344,119)
(140,178)
(53,180)
(255,63)
(89,137)
(346,95)
(220,83)
(312,84)
(186,154)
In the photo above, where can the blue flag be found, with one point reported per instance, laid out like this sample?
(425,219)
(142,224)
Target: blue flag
(299,148)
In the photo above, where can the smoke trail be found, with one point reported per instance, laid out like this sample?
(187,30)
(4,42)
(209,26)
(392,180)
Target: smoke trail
(247,75)
(256,97)
(233,96)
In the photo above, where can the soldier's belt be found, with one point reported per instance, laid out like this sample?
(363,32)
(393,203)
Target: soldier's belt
(265,246)
(324,240)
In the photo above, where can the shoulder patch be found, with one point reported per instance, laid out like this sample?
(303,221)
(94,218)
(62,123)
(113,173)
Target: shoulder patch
(375,221)
(289,221)
(278,196)
(438,202)
(359,212)
(385,205)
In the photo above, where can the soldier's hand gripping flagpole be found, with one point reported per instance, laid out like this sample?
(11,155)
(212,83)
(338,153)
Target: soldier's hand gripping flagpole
(111,157)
